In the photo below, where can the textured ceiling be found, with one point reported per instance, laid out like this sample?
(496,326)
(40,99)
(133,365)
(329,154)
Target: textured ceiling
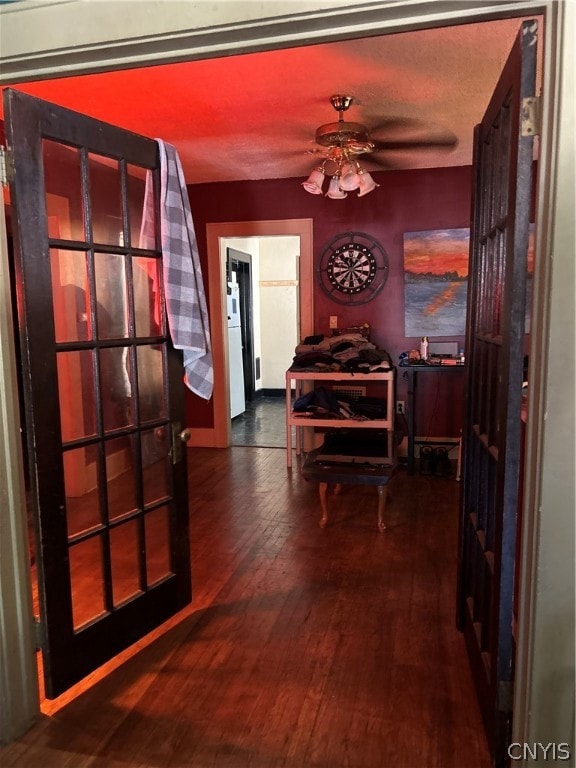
(254,116)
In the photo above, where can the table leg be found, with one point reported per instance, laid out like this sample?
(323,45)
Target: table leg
(288,425)
(411,418)
(382,494)
(322,490)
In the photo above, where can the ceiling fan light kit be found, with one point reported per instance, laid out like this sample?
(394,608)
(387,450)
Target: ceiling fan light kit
(341,182)
(341,142)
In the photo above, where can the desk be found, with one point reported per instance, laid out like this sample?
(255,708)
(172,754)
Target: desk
(413,371)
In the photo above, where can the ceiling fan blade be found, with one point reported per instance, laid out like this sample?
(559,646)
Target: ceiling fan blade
(446,142)
(375,163)
(391,125)
(402,133)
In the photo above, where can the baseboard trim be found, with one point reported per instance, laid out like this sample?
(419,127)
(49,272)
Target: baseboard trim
(270,393)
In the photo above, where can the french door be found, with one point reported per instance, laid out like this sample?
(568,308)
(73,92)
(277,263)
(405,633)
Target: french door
(103,387)
(496,333)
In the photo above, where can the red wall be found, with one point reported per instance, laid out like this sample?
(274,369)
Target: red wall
(405,201)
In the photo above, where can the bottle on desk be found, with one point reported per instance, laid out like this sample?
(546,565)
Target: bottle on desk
(424,348)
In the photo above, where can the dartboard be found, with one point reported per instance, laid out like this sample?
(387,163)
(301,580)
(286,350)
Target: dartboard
(353,268)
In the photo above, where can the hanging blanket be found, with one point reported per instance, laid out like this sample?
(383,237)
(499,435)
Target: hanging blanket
(183,286)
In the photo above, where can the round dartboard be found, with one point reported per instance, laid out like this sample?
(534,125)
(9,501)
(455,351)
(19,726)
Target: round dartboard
(353,268)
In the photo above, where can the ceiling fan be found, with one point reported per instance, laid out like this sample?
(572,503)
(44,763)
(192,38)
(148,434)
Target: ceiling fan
(342,142)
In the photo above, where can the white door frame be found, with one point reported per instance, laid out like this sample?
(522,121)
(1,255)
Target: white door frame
(548,556)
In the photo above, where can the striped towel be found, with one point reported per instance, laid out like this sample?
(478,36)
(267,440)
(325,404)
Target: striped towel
(183,285)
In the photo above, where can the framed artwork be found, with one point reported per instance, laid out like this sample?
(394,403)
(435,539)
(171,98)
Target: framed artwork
(435,282)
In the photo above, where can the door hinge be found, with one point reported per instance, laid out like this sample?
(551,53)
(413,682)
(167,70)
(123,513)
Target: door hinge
(6,166)
(530,116)
(39,634)
(176,448)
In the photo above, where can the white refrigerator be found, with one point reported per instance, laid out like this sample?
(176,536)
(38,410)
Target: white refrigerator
(236,367)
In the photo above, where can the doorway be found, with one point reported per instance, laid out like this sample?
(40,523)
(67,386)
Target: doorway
(220,236)
(239,316)
(244,274)
(240,306)
(557,516)
(263,272)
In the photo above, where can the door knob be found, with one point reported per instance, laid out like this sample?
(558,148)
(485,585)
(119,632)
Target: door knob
(179,436)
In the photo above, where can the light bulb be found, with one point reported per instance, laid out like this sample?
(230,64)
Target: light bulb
(367,183)
(350,179)
(334,190)
(313,183)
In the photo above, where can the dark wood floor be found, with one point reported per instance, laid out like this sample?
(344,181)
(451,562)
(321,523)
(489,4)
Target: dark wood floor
(304,648)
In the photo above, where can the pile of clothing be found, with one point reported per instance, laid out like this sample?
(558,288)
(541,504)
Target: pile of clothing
(324,403)
(349,352)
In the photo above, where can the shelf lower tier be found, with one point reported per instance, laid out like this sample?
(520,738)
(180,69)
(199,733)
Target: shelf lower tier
(341,423)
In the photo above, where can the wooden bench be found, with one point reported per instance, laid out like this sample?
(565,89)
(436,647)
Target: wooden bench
(351,467)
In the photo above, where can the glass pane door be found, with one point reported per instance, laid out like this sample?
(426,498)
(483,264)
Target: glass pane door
(103,386)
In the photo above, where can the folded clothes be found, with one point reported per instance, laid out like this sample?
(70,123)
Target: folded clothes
(325,403)
(311,340)
(308,359)
(319,399)
(348,352)
(328,343)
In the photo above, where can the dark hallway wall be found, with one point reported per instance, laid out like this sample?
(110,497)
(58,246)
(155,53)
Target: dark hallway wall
(405,201)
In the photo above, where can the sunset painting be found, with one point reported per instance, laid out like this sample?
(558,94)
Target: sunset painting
(435,282)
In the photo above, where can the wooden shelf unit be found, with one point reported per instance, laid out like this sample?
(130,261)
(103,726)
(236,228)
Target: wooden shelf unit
(305,380)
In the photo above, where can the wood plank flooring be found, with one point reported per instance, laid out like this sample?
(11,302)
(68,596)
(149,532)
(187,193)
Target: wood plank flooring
(304,648)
